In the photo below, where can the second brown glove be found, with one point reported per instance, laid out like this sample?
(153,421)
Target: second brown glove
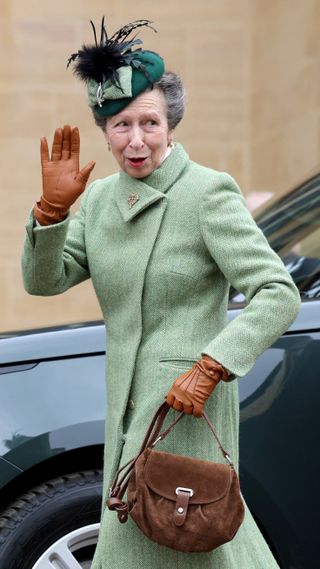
(191,390)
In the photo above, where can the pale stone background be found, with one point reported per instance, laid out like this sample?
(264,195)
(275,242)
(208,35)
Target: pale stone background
(251,69)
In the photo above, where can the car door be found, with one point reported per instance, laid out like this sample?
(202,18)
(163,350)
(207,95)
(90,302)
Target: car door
(280,419)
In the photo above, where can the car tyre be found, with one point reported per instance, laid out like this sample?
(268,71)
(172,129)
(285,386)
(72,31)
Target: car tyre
(45,515)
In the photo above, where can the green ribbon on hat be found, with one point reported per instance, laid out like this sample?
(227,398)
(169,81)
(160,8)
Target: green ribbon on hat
(114,100)
(109,91)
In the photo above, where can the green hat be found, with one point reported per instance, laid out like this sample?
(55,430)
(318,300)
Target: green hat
(114,73)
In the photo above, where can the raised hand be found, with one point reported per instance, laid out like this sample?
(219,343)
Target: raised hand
(62,181)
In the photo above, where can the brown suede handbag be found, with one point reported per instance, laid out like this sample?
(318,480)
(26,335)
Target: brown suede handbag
(184,503)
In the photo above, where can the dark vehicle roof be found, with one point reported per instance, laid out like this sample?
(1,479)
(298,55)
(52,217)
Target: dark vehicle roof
(49,343)
(285,219)
(90,338)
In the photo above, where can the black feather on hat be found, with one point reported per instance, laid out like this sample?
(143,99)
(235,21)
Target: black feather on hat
(101,61)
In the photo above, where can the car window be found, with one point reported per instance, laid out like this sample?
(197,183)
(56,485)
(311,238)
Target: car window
(292,227)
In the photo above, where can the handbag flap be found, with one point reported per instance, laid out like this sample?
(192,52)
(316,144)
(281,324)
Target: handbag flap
(164,472)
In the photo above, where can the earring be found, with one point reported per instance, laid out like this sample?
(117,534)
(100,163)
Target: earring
(109,147)
(171,145)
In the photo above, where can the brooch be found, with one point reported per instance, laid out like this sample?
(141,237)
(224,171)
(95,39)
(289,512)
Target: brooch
(132,199)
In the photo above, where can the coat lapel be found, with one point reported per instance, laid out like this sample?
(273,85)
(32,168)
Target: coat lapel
(135,195)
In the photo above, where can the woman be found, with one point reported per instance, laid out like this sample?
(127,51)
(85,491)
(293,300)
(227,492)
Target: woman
(161,240)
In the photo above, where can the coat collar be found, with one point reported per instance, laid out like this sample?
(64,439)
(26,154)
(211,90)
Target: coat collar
(136,195)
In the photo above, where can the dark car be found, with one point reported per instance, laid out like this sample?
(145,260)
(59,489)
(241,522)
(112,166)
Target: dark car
(52,405)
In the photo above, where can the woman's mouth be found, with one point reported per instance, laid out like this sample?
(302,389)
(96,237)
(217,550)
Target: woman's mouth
(137,162)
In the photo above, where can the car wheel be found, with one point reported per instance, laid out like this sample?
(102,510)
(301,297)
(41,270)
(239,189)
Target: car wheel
(53,525)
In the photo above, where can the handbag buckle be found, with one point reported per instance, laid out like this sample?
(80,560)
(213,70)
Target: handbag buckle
(181,506)
(182,489)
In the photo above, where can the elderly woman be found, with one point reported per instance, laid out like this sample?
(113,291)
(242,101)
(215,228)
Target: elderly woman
(162,240)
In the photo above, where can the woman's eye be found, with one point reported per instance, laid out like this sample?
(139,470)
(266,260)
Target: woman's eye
(122,124)
(151,122)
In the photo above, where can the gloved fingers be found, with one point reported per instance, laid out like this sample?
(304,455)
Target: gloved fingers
(57,145)
(173,402)
(183,405)
(84,174)
(177,405)
(187,408)
(75,142)
(44,150)
(197,409)
(66,142)
(170,398)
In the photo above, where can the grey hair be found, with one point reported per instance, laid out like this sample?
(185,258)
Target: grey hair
(170,84)
(172,87)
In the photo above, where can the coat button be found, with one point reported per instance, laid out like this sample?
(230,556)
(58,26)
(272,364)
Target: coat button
(131,404)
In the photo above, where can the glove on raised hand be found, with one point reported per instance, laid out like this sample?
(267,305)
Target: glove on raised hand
(62,181)
(191,390)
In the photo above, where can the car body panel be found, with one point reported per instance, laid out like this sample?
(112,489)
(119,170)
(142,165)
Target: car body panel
(8,472)
(39,449)
(307,319)
(278,446)
(53,402)
(35,345)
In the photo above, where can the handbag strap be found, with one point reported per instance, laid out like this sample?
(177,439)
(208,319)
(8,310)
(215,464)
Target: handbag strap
(162,435)
(212,429)
(152,437)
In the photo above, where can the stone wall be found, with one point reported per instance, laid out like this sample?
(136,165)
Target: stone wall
(251,70)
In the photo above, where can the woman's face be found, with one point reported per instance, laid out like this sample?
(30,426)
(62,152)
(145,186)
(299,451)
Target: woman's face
(139,135)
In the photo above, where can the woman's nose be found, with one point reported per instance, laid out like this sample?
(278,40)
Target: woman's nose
(136,138)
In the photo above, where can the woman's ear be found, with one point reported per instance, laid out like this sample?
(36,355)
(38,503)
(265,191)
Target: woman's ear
(107,139)
(170,138)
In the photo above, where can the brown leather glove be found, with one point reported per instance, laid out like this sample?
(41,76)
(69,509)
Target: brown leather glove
(62,181)
(191,390)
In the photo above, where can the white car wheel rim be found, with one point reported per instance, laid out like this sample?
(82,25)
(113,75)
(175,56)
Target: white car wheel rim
(60,555)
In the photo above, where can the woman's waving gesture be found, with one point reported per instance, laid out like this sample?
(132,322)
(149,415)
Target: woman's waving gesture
(62,181)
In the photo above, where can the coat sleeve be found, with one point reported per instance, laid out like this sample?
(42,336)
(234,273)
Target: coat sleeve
(54,256)
(244,256)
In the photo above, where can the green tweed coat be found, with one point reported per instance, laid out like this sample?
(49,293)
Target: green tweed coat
(161,253)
